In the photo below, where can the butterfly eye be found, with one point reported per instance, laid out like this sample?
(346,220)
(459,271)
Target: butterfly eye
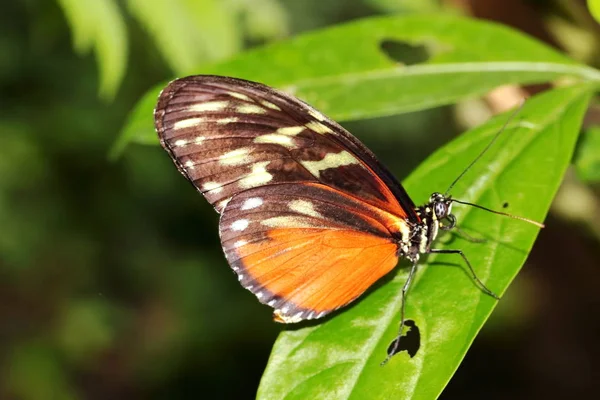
(441,210)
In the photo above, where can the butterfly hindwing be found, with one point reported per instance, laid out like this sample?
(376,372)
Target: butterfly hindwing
(306,250)
(228,135)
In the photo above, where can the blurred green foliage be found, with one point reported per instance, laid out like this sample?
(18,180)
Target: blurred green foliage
(594,6)
(113,282)
(88,25)
(587,162)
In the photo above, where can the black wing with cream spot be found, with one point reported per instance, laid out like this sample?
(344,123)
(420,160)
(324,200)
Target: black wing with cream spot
(229,135)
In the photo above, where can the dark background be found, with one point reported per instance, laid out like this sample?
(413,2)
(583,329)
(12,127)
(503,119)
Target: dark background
(112,280)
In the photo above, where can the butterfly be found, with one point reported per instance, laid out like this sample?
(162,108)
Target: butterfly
(309,218)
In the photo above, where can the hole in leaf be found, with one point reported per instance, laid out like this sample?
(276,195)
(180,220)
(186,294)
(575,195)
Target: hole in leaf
(403,52)
(409,342)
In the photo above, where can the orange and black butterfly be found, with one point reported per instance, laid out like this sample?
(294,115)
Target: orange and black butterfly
(309,219)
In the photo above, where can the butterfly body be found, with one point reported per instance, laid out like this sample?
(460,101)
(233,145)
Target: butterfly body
(309,219)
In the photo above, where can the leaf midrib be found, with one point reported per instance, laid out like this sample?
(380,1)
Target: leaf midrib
(393,71)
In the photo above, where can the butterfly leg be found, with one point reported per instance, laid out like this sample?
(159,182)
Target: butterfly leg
(459,252)
(396,341)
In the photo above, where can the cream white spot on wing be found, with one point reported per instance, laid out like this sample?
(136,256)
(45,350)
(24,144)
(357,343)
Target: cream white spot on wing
(258,176)
(225,121)
(271,303)
(289,222)
(250,109)
(181,142)
(318,127)
(239,225)
(235,157)
(282,136)
(240,96)
(208,106)
(270,105)
(187,123)
(273,138)
(259,295)
(331,160)
(304,207)
(240,277)
(189,164)
(251,203)
(239,243)
(277,222)
(214,187)
(290,130)
(290,320)
(316,114)
(199,139)
(223,203)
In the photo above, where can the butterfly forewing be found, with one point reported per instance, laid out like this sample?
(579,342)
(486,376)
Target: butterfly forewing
(309,218)
(227,135)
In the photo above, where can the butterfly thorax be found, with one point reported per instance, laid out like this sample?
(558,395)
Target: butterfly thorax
(432,216)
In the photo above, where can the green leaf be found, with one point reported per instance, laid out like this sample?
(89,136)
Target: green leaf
(339,358)
(587,161)
(189,32)
(264,19)
(37,370)
(343,71)
(99,25)
(399,6)
(594,7)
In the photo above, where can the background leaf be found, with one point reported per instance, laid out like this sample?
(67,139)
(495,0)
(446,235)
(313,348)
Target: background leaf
(344,72)
(189,33)
(88,26)
(594,6)
(340,357)
(263,19)
(405,5)
(587,162)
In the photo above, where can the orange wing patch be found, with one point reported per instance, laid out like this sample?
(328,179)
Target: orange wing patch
(312,273)
(307,250)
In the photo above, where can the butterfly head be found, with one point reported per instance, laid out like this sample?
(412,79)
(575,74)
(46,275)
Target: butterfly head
(436,214)
(441,206)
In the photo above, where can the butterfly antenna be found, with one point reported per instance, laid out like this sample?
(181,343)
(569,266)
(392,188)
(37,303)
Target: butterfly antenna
(538,224)
(512,116)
